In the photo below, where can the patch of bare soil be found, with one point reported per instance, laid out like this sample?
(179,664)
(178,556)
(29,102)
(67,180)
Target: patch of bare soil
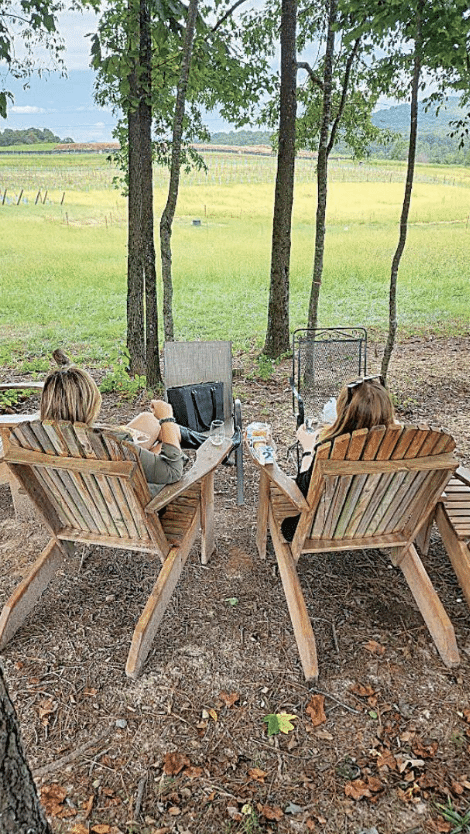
(376,745)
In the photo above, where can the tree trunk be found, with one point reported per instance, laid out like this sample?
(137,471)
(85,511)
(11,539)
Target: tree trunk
(152,359)
(277,334)
(20,810)
(135,272)
(392,316)
(322,169)
(166,221)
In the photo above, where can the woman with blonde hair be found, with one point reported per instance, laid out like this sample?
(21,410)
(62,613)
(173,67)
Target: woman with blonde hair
(70,393)
(361,405)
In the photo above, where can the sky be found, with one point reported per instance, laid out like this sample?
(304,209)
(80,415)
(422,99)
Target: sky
(65,105)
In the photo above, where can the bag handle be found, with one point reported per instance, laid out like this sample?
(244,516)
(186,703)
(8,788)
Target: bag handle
(202,421)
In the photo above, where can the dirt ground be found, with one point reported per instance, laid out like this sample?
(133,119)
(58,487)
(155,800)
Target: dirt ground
(185,748)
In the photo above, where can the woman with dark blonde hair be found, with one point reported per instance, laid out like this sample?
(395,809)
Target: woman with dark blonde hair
(70,393)
(361,405)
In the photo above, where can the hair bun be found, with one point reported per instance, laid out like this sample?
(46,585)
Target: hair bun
(61,358)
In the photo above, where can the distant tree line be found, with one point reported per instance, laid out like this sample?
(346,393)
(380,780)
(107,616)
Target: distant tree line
(243,138)
(30,136)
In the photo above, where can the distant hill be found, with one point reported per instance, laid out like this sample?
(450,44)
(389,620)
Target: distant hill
(398,118)
(242,138)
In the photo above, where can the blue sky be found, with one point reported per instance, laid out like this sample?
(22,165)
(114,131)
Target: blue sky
(65,105)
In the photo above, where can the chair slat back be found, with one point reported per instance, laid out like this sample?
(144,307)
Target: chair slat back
(102,504)
(398,474)
(187,362)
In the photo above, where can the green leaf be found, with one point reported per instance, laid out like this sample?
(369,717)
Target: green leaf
(280,722)
(232,601)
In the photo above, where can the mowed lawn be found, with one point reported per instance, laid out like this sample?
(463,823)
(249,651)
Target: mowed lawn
(63,274)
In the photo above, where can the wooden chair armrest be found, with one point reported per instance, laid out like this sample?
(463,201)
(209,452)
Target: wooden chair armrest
(284,483)
(208,458)
(463,475)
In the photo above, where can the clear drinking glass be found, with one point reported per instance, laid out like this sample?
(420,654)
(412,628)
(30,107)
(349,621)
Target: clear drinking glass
(217,433)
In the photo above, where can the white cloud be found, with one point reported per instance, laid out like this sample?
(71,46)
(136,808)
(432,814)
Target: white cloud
(27,110)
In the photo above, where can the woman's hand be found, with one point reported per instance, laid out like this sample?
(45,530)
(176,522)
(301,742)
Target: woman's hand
(307,439)
(161,409)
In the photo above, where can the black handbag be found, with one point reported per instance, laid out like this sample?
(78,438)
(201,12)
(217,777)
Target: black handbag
(195,406)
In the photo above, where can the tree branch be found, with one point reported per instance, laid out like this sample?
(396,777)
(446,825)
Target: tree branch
(315,79)
(344,92)
(227,14)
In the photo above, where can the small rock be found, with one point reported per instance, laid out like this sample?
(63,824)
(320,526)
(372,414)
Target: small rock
(121,723)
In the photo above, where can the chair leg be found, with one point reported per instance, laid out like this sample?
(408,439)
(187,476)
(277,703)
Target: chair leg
(239,453)
(24,598)
(457,550)
(207,518)
(428,602)
(158,600)
(262,514)
(296,604)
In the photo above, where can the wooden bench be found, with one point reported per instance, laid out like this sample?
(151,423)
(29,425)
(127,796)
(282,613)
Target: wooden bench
(453,521)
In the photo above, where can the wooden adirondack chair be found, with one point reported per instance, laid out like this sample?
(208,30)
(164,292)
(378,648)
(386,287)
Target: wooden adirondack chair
(89,487)
(372,489)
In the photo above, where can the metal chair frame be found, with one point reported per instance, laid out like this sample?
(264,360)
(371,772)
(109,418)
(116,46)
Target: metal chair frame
(317,337)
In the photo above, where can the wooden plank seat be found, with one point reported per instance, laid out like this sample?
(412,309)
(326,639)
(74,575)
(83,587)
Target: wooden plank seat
(88,487)
(373,488)
(453,522)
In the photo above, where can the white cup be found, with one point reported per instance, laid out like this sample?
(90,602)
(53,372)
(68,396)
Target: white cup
(217,433)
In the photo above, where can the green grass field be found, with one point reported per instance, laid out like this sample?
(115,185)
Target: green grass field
(63,276)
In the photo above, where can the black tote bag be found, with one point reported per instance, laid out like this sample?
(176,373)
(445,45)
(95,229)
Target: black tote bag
(195,406)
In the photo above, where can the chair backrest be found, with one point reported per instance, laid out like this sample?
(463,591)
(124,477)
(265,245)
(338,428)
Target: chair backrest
(374,488)
(87,484)
(188,362)
(323,360)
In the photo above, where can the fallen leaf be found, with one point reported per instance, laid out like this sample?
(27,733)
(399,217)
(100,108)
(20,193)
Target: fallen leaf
(91,691)
(212,714)
(386,760)
(457,788)
(79,828)
(404,762)
(425,751)
(173,763)
(269,813)
(359,788)
(316,710)
(257,774)
(88,805)
(193,772)
(356,789)
(234,813)
(374,648)
(324,734)
(279,722)
(45,709)
(52,798)
(174,811)
(311,824)
(229,699)
(100,829)
(364,691)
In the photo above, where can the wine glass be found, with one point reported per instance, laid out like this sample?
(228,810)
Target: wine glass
(217,433)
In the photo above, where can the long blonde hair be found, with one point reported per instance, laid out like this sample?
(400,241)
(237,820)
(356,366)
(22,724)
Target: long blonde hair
(369,405)
(70,393)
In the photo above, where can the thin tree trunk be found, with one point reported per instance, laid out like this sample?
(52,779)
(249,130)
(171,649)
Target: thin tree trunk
(166,221)
(152,359)
(277,334)
(20,810)
(392,318)
(322,169)
(135,274)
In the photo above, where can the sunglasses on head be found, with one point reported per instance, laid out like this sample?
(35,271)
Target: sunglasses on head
(353,385)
